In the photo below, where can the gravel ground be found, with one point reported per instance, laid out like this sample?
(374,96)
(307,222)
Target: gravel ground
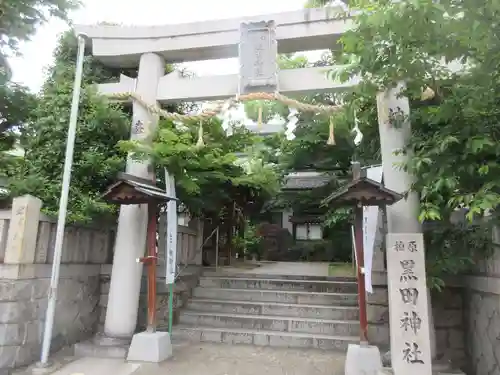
(220,359)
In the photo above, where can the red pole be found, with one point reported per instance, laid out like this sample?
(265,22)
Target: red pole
(151,262)
(358,234)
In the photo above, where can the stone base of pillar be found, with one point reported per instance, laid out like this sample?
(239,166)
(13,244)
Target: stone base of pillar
(152,347)
(102,346)
(388,371)
(438,367)
(363,360)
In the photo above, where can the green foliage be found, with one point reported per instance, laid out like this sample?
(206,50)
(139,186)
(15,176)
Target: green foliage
(16,105)
(250,243)
(210,178)
(96,158)
(454,143)
(310,151)
(455,249)
(20,19)
(327,250)
(454,140)
(456,152)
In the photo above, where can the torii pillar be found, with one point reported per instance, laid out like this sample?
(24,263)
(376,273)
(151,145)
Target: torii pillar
(410,319)
(123,300)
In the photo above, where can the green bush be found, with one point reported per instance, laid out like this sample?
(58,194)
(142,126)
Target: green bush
(250,243)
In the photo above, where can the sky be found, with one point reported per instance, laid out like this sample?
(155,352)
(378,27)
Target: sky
(37,54)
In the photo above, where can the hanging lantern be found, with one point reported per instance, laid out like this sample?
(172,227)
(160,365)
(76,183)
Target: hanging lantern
(259,118)
(200,142)
(358,137)
(331,135)
(427,94)
(291,124)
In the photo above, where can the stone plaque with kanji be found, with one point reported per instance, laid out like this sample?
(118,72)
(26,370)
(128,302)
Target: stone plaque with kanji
(258,53)
(409,319)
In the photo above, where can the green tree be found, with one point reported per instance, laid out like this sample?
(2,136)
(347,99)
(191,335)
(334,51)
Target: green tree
(310,151)
(16,105)
(455,132)
(100,126)
(210,178)
(19,20)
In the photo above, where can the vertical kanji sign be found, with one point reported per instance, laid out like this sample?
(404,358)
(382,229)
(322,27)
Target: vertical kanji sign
(409,318)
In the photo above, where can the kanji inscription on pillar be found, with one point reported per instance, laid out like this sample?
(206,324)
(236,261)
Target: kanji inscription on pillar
(409,318)
(258,54)
(138,128)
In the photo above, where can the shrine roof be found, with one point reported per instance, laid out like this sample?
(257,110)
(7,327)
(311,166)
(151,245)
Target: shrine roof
(365,191)
(307,219)
(130,189)
(300,181)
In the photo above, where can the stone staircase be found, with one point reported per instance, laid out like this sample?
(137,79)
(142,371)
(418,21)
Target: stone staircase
(272,310)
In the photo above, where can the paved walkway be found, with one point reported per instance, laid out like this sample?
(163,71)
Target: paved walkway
(220,359)
(283,268)
(208,359)
(98,366)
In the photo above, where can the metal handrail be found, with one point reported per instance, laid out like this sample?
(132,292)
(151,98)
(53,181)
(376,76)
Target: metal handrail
(216,232)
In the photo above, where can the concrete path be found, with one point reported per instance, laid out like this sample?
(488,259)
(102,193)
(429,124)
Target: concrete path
(98,366)
(220,359)
(283,268)
(208,359)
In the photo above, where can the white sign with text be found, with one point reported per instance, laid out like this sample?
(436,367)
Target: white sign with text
(370,225)
(171,240)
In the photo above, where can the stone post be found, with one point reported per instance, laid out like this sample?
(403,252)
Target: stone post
(123,301)
(408,297)
(287,214)
(378,252)
(23,230)
(198,227)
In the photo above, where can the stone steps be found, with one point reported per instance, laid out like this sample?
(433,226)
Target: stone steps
(289,311)
(274,309)
(214,273)
(279,284)
(283,296)
(270,323)
(262,338)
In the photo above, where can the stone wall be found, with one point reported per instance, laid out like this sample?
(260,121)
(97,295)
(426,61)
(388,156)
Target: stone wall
(448,311)
(378,313)
(27,239)
(23,304)
(482,316)
(448,314)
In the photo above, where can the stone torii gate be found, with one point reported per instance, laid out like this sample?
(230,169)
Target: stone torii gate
(256,40)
